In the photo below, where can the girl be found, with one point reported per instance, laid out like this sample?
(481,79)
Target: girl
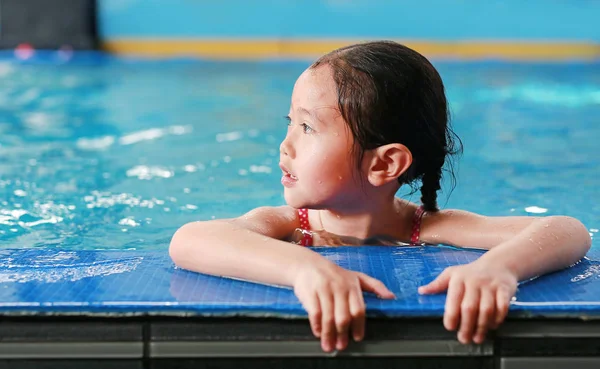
(363,121)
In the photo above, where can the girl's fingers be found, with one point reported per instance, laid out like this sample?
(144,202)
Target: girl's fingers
(313,307)
(438,285)
(342,319)
(370,284)
(328,331)
(502,303)
(357,311)
(469,312)
(452,308)
(311,304)
(487,315)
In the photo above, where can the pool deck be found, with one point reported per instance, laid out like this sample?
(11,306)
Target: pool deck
(139,309)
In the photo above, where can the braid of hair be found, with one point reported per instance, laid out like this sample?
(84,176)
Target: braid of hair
(430,185)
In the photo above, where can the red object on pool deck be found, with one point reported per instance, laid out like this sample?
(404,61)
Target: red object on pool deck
(24,51)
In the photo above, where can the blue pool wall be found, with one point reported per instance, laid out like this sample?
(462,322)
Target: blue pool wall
(441,20)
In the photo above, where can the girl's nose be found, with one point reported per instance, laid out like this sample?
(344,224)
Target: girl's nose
(286,148)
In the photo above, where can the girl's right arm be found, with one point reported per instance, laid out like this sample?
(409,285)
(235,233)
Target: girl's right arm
(250,247)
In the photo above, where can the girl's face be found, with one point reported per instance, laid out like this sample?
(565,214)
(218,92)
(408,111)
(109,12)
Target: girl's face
(316,154)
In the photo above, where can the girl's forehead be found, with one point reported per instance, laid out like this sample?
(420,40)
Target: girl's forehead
(315,87)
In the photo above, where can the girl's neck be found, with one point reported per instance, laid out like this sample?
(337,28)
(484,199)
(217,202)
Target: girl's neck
(391,218)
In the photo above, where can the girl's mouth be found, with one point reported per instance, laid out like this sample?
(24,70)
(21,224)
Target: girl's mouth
(289,175)
(288,179)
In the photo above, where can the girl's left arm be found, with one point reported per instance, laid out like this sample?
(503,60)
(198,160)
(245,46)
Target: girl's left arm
(520,248)
(528,246)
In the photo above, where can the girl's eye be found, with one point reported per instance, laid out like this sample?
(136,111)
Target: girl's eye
(306,128)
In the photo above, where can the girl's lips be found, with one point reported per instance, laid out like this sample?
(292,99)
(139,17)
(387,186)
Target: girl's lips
(288,181)
(287,173)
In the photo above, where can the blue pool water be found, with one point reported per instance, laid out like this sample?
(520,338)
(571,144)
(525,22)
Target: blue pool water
(102,153)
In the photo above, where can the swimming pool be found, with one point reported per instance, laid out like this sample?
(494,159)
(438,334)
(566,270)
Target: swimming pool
(106,153)
(113,155)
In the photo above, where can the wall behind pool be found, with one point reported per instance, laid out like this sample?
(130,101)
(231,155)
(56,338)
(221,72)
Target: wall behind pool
(538,29)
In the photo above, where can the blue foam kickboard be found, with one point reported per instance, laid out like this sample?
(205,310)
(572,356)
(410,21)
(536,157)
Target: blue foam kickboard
(42,281)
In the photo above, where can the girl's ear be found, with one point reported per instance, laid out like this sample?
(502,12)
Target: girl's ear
(386,163)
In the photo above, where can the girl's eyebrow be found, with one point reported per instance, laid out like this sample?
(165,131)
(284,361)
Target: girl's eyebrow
(310,113)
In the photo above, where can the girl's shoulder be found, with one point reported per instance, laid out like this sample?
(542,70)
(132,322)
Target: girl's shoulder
(467,229)
(448,226)
(275,221)
(283,211)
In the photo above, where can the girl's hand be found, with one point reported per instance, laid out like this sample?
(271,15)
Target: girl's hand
(478,298)
(333,298)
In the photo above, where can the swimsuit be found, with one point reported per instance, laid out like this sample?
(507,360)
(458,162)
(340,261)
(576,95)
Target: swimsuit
(307,238)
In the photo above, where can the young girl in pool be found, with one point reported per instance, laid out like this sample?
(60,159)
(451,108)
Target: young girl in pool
(363,121)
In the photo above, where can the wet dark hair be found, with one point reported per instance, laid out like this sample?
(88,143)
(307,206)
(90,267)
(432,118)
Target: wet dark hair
(389,93)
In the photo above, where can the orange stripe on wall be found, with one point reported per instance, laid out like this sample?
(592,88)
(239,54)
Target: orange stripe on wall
(292,49)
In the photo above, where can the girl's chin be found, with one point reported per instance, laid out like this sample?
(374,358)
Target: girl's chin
(298,200)
(295,201)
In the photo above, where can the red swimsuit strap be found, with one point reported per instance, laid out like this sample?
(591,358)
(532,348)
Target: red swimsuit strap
(307,239)
(416,226)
